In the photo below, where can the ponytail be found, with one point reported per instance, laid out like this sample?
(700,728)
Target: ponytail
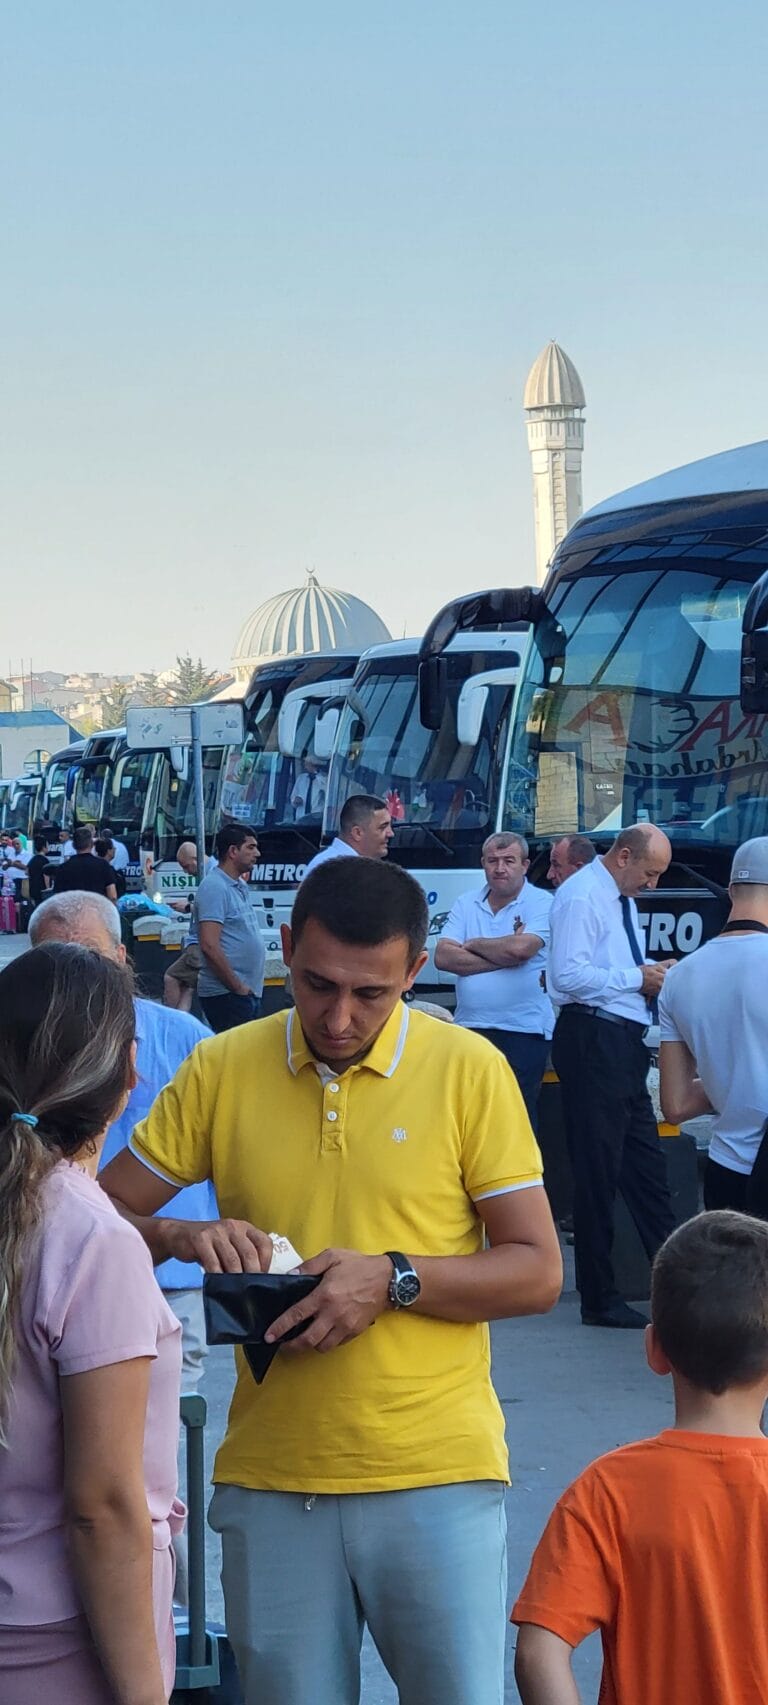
(66,1032)
(24,1163)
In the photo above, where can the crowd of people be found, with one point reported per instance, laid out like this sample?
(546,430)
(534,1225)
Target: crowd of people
(27,875)
(363,1482)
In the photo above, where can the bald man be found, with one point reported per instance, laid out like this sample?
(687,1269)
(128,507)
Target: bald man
(569,854)
(180,980)
(607,992)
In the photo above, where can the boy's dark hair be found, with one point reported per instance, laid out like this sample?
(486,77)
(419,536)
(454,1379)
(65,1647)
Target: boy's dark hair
(82,840)
(709,1300)
(40,843)
(233,835)
(358,808)
(363,902)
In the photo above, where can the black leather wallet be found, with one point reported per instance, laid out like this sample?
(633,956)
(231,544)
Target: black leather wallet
(240,1308)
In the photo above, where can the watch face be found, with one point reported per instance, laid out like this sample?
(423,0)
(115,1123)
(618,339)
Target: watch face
(408,1288)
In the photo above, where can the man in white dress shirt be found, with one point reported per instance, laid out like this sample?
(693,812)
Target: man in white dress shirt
(365,831)
(606,992)
(494,942)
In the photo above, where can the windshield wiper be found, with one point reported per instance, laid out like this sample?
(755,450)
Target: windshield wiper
(424,829)
(288,829)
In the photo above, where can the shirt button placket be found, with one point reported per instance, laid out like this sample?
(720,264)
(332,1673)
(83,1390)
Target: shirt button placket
(333,1116)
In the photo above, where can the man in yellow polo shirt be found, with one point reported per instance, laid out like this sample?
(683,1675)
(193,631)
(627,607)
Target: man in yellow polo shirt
(364,1481)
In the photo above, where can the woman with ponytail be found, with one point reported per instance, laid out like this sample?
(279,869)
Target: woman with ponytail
(89,1358)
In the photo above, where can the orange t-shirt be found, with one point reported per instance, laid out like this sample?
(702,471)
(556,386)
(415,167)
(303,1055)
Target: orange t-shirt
(663,1547)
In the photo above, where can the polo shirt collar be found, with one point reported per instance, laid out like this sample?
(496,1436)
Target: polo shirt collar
(485,901)
(383,1058)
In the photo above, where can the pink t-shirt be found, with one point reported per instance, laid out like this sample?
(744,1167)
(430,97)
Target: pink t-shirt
(89,1299)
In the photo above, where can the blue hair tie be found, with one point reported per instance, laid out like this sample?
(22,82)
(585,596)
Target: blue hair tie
(24,1119)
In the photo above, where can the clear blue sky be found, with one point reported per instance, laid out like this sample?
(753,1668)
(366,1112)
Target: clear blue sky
(273,276)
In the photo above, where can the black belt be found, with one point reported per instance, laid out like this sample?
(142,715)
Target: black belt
(607,1016)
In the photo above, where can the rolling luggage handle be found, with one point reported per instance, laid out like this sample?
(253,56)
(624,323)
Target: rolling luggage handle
(197,1652)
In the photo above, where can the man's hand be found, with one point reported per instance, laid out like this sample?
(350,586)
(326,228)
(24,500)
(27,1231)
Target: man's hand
(353,1292)
(220,1246)
(653,977)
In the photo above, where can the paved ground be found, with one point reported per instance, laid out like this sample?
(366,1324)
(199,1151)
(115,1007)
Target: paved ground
(569,1392)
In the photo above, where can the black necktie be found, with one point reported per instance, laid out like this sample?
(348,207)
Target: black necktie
(308,800)
(634,946)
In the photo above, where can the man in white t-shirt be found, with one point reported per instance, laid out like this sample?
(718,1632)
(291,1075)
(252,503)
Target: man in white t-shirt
(365,831)
(16,859)
(122,857)
(494,942)
(713,1017)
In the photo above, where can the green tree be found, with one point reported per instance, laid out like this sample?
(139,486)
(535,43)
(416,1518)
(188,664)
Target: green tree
(114,704)
(193,681)
(151,693)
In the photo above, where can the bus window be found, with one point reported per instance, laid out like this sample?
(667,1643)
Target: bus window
(644,720)
(89,790)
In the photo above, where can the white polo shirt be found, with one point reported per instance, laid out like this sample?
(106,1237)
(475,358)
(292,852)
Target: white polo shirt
(714,1002)
(337,849)
(503,999)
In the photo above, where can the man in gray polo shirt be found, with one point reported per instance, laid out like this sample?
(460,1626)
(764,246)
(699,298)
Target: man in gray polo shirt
(232,975)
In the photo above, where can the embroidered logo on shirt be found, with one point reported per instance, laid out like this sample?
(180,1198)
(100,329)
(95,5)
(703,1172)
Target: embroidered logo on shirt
(399,1135)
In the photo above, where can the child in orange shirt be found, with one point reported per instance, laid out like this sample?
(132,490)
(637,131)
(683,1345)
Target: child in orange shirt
(663,1545)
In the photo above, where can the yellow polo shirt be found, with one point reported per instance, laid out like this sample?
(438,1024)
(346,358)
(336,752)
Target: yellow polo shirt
(392,1154)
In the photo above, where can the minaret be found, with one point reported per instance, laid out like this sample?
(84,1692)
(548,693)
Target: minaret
(554,403)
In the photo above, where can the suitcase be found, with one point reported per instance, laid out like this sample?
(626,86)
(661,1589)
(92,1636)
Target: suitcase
(205,1667)
(7,914)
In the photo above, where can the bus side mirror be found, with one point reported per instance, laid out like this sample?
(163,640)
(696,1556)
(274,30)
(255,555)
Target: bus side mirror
(326,727)
(473,699)
(470,711)
(754,650)
(288,724)
(433,685)
(754,672)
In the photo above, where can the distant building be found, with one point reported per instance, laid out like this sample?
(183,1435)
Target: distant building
(307,618)
(6,695)
(29,737)
(554,403)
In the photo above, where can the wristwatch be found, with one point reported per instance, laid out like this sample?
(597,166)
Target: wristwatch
(405,1284)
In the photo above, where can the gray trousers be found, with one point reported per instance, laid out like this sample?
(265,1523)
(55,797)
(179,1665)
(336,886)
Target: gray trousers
(425,1569)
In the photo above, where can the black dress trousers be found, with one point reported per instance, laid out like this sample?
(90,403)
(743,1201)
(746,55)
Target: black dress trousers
(613,1143)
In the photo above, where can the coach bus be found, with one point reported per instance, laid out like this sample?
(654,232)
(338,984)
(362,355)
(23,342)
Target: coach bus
(277,781)
(430,742)
(111,784)
(629,707)
(273,783)
(54,811)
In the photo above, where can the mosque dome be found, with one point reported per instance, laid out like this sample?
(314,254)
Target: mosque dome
(307,618)
(553,381)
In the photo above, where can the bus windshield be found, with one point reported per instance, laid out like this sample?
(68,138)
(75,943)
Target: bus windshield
(639,719)
(126,795)
(169,816)
(55,795)
(438,790)
(88,794)
(263,787)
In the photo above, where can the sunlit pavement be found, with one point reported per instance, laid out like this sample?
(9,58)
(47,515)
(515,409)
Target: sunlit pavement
(568,1391)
